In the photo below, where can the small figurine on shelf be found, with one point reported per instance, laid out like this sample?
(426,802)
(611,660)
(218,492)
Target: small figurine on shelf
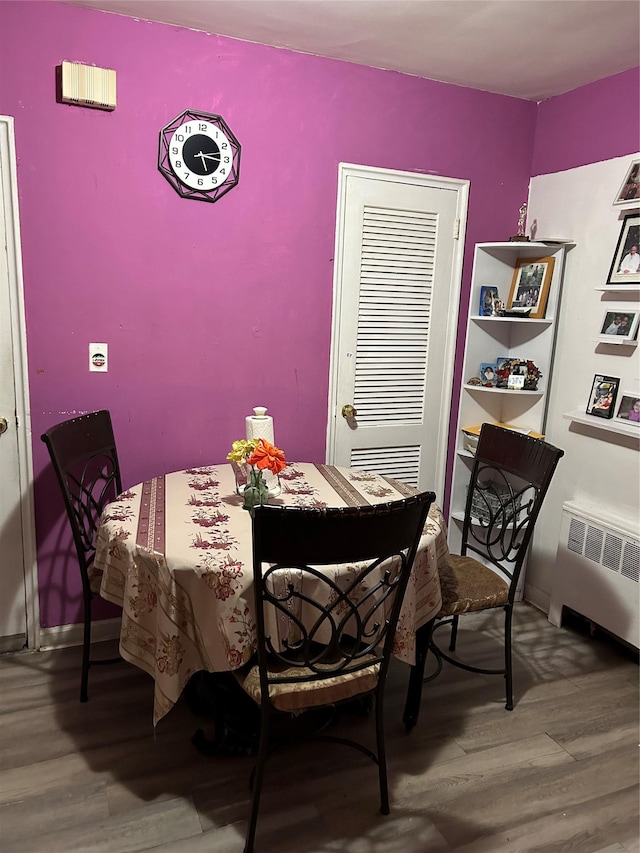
(534,374)
(520,236)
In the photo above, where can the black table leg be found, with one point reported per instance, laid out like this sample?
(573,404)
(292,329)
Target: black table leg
(416,676)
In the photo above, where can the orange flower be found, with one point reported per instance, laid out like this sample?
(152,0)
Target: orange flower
(267,456)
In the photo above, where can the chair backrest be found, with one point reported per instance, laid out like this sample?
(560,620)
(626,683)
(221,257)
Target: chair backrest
(509,480)
(84,457)
(311,616)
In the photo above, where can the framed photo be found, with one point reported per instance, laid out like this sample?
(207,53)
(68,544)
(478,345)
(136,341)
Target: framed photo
(530,285)
(488,298)
(625,266)
(602,399)
(629,409)
(488,376)
(517,374)
(619,324)
(630,189)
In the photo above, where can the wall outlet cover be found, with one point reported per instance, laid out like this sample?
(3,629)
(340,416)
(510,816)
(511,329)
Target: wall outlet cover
(98,358)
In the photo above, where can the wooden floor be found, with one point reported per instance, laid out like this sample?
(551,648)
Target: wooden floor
(559,773)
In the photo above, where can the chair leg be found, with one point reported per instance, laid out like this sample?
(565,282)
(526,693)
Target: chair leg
(86,648)
(416,676)
(454,634)
(257,778)
(382,753)
(508,669)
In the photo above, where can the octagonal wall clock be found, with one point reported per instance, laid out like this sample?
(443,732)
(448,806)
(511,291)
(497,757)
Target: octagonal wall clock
(199,156)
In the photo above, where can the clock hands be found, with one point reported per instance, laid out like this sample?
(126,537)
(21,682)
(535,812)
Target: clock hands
(204,157)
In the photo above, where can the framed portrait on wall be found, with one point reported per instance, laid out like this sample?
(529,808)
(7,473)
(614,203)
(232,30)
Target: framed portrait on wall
(602,399)
(625,266)
(630,189)
(530,286)
(619,325)
(629,409)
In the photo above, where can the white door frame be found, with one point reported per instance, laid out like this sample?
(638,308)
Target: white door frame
(345,171)
(9,189)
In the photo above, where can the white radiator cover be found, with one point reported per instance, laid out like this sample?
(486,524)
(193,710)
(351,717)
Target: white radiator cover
(597,572)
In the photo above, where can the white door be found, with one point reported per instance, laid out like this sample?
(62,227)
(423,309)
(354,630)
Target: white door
(18,597)
(399,242)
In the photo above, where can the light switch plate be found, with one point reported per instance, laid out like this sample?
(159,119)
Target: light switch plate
(98,358)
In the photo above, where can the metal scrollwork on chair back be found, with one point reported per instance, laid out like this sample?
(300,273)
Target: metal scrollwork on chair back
(501,511)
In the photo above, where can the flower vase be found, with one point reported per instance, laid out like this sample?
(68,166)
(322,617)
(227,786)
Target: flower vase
(256,492)
(241,474)
(273,482)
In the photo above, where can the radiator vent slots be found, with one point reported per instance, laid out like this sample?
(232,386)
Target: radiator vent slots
(605,548)
(612,552)
(593,544)
(631,562)
(576,535)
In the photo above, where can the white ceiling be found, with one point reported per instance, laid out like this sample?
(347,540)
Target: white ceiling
(531,49)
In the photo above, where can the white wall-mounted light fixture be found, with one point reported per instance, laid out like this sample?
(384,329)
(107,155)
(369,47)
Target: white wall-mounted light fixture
(86,85)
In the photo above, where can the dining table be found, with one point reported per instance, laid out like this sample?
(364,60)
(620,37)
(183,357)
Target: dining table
(176,555)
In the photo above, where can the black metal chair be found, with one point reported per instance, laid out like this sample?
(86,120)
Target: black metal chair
(509,480)
(325,637)
(84,457)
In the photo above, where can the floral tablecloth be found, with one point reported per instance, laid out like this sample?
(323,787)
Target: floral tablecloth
(176,556)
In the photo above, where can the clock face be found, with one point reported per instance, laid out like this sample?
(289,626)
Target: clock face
(199,156)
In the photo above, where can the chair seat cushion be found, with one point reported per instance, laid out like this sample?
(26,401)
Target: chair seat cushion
(468,585)
(301,695)
(95,579)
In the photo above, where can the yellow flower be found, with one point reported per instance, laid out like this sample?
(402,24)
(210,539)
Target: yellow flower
(241,450)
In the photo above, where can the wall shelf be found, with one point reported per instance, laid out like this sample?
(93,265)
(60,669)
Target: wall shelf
(614,342)
(604,424)
(487,390)
(530,321)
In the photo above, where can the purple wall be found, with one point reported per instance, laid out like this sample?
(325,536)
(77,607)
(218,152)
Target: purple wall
(208,309)
(593,123)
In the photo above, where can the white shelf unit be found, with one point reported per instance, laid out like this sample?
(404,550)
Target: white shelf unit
(489,338)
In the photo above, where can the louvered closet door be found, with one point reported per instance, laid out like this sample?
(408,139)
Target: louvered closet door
(395,317)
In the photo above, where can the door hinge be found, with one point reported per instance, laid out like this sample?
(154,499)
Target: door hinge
(456,229)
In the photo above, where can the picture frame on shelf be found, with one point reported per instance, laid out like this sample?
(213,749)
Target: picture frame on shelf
(530,286)
(517,374)
(488,376)
(625,266)
(602,399)
(488,298)
(629,409)
(630,188)
(619,323)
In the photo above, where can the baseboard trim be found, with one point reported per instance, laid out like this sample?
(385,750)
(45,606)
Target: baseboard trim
(64,636)
(538,597)
(13,643)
